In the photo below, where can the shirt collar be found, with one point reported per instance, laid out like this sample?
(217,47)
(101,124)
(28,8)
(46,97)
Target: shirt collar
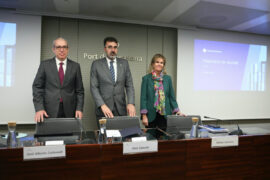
(108,60)
(58,61)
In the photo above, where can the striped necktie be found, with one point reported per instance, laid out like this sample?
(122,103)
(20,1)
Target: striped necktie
(112,71)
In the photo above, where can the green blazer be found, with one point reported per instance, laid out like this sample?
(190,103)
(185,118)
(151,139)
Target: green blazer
(148,96)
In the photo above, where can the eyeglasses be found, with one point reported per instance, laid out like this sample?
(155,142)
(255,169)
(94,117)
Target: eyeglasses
(61,47)
(112,47)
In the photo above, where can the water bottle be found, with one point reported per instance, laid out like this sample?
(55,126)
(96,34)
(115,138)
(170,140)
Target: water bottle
(194,128)
(11,139)
(102,138)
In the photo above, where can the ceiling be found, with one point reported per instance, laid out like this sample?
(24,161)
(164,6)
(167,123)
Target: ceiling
(251,16)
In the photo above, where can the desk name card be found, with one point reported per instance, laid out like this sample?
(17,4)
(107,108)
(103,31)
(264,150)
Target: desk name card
(54,143)
(138,139)
(224,141)
(44,152)
(140,147)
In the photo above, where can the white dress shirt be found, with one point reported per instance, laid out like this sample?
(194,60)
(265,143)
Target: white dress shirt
(114,66)
(64,64)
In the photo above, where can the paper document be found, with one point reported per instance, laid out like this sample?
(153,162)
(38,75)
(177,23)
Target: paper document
(113,133)
(214,129)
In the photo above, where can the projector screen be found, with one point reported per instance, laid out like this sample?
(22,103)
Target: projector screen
(224,75)
(20,39)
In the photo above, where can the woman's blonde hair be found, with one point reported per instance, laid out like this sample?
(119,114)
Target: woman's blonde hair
(155,57)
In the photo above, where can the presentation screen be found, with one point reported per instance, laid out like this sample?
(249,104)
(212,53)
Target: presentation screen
(20,39)
(224,75)
(7,53)
(229,66)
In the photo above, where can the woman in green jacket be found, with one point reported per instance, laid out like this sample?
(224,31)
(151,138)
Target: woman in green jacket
(157,95)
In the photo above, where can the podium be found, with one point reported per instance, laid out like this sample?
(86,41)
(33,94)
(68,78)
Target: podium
(175,159)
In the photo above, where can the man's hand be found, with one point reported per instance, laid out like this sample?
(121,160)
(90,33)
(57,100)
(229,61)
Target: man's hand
(78,114)
(144,120)
(106,111)
(131,110)
(39,116)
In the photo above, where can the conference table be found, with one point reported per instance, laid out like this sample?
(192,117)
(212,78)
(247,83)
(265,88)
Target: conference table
(175,159)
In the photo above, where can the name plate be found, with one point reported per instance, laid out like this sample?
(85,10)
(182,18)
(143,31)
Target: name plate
(140,147)
(51,143)
(138,139)
(224,141)
(44,152)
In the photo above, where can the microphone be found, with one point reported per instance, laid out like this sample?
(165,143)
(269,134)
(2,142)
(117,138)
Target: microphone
(214,126)
(237,132)
(207,117)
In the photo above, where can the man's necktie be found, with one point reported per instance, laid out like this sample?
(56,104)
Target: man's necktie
(61,76)
(112,71)
(61,73)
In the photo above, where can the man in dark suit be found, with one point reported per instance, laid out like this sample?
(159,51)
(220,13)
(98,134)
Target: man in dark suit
(111,82)
(58,88)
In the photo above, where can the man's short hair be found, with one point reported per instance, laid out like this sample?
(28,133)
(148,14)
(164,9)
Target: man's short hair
(110,39)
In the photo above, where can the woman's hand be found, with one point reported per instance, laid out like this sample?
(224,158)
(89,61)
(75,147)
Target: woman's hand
(180,114)
(144,120)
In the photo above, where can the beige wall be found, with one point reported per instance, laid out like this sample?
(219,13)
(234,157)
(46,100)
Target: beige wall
(86,36)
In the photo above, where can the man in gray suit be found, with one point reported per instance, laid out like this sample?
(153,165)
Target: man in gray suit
(58,88)
(110,82)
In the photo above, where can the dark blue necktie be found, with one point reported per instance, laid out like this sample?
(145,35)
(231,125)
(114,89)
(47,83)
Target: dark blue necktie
(112,71)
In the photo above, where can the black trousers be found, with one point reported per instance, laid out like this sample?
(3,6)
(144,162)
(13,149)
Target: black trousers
(61,113)
(160,121)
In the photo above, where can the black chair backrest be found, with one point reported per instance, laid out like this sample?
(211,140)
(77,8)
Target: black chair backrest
(122,122)
(183,122)
(58,126)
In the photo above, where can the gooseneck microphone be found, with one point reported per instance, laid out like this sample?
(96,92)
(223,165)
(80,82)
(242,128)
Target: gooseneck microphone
(207,117)
(237,132)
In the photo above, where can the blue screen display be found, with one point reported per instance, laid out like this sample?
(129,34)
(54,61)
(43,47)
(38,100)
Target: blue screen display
(227,66)
(7,53)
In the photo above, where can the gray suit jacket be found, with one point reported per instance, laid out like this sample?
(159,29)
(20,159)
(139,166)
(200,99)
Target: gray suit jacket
(105,91)
(47,89)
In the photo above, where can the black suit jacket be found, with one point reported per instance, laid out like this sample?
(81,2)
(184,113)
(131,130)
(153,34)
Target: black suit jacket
(47,89)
